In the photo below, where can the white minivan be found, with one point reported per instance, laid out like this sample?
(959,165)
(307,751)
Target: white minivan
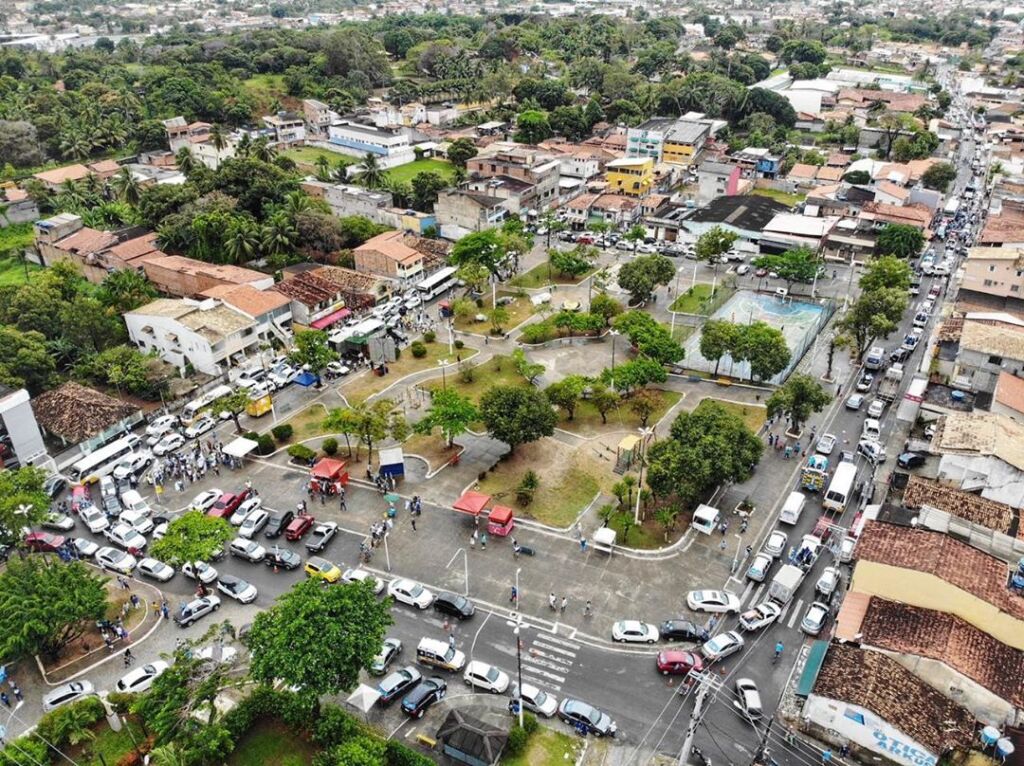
(131,500)
(875,358)
(794,506)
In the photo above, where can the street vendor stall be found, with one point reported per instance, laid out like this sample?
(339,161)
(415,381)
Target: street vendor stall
(472,503)
(392,462)
(328,476)
(238,449)
(603,539)
(501,521)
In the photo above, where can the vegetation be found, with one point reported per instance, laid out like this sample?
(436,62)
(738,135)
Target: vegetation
(797,398)
(192,537)
(516,415)
(642,275)
(450,411)
(759,344)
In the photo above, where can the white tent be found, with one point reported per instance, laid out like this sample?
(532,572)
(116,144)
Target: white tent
(240,447)
(364,698)
(603,539)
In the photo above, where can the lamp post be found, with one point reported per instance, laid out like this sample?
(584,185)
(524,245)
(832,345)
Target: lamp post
(465,567)
(443,364)
(736,558)
(614,334)
(451,337)
(387,554)
(645,435)
(517,628)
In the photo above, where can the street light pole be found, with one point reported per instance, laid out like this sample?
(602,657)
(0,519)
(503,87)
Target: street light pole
(387,554)
(645,434)
(465,570)
(614,335)
(736,558)
(519,668)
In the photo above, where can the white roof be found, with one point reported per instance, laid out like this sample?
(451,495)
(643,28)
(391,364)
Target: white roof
(390,456)
(802,225)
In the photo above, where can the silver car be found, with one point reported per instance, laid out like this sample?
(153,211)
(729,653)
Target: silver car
(65,693)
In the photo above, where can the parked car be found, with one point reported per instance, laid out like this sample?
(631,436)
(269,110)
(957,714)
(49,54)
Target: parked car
(115,560)
(419,700)
(140,679)
(396,684)
(388,653)
(322,569)
(322,534)
(161,425)
(411,593)
(240,590)
(814,618)
(249,550)
(132,465)
(712,601)
(155,570)
(481,675)
(201,426)
(196,609)
(86,548)
(910,460)
(204,501)
(758,569)
(243,510)
(44,542)
(298,526)
(760,616)
(854,402)
(872,450)
(876,408)
(125,536)
(634,632)
(199,570)
(722,645)
(254,522)
(228,502)
(277,523)
(361,575)
(65,693)
(682,630)
(865,381)
(776,544)
(282,558)
(535,700)
(826,444)
(454,605)
(828,582)
(579,713)
(748,700)
(168,443)
(59,521)
(674,662)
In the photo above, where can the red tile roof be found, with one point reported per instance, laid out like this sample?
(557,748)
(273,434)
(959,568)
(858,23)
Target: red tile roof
(956,502)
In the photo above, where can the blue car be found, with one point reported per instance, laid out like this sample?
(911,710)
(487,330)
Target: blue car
(429,691)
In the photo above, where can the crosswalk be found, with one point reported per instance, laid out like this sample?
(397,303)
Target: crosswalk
(755,593)
(548,660)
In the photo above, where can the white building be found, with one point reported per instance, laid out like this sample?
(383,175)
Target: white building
(390,145)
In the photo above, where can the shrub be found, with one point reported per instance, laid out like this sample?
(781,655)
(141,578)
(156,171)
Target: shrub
(539,332)
(264,444)
(131,758)
(334,726)
(121,702)
(418,349)
(526,488)
(429,336)
(530,723)
(479,303)
(69,725)
(467,373)
(251,435)
(518,738)
(282,432)
(301,452)
(330,446)
(400,755)
(460,344)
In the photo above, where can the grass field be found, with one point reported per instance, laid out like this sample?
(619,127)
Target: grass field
(405,173)
(519,310)
(305,424)
(270,743)
(497,371)
(547,748)
(266,89)
(12,270)
(542,274)
(753,415)
(691,301)
(588,419)
(780,196)
(368,384)
(308,155)
(110,746)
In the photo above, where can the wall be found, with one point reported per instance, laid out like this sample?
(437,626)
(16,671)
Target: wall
(863,727)
(20,424)
(930,592)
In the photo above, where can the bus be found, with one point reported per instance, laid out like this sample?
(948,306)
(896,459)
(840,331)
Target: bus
(437,283)
(840,489)
(951,208)
(192,410)
(101,462)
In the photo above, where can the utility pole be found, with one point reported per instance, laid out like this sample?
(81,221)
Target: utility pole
(705,682)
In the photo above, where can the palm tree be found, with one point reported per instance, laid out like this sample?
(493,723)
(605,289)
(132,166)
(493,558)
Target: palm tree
(279,235)
(323,168)
(241,241)
(218,138)
(263,150)
(71,195)
(244,145)
(186,160)
(75,145)
(127,186)
(297,202)
(372,174)
(401,192)
(340,172)
(126,289)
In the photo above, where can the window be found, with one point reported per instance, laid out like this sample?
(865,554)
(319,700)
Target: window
(995,359)
(1014,288)
(989,283)
(853,715)
(991,268)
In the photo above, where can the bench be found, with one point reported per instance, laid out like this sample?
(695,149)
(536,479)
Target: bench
(427,740)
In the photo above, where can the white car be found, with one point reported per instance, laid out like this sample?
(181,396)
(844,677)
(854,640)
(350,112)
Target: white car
(86,548)
(854,402)
(253,523)
(828,582)
(132,465)
(876,408)
(872,450)
(411,593)
(758,569)
(535,700)
(872,429)
(486,677)
(140,679)
(634,632)
(199,570)
(242,512)
(168,443)
(776,544)
(826,443)
(217,653)
(338,369)
(72,691)
(748,700)
(283,375)
(712,601)
(115,560)
(359,575)
(247,549)
(155,570)
(160,532)
(204,501)
(814,618)
(125,536)
(741,270)
(59,521)
(240,590)
(722,645)
(203,425)
(413,301)
(95,519)
(137,520)
(760,616)
(162,425)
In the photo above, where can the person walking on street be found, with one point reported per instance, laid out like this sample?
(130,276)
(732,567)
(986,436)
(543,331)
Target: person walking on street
(5,699)
(17,692)
(583,545)
(552,602)
(483,541)
(128,658)
(587,611)
(412,521)
(565,603)
(515,595)
(472,539)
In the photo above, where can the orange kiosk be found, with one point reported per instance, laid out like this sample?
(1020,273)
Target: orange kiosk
(328,476)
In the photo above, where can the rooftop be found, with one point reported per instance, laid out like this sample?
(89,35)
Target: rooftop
(392,245)
(222,271)
(1008,226)
(716,168)
(248,299)
(995,339)
(58,176)
(977,433)
(956,502)
(686,132)
(800,225)
(86,241)
(1010,392)
(907,629)
(880,684)
(744,211)
(995,254)
(800,170)
(131,249)
(75,412)
(941,556)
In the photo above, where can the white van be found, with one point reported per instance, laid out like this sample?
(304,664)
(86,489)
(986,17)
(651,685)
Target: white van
(794,506)
(872,429)
(439,654)
(133,501)
(875,358)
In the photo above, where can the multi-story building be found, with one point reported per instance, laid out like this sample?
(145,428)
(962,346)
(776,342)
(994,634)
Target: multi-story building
(321,296)
(318,117)
(716,179)
(460,212)
(346,200)
(392,254)
(665,139)
(995,271)
(188,278)
(390,144)
(287,127)
(532,174)
(632,176)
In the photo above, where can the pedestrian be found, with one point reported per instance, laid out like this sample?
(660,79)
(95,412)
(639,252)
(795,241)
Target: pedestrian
(17,692)
(583,545)
(552,602)
(135,601)
(344,505)
(826,757)
(413,522)
(483,541)
(743,526)
(165,610)
(721,545)
(565,603)
(128,657)
(472,539)
(451,640)
(515,595)
(5,699)
(586,609)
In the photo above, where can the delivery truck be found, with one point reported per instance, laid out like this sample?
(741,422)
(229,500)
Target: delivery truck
(785,583)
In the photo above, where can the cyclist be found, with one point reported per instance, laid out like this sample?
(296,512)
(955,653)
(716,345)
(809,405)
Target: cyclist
(779,648)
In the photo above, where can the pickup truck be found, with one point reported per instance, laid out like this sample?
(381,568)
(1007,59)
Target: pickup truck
(807,553)
(889,387)
(785,583)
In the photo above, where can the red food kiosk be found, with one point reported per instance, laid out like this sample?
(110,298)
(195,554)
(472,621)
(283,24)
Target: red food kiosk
(472,503)
(501,521)
(328,476)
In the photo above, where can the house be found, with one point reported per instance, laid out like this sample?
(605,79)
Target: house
(888,193)
(398,255)
(269,309)
(318,117)
(286,127)
(528,176)
(632,176)
(981,514)
(616,210)
(460,211)
(55,179)
(16,207)
(665,139)
(519,196)
(802,174)
(205,335)
(1004,229)
(1008,397)
(983,453)
(347,200)
(64,238)
(716,179)
(746,215)
(786,231)
(994,271)
(878,214)
(21,443)
(186,277)
(986,350)
(357,139)
(77,414)
(104,169)
(466,739)
(870,700)
(321,296)
(932,570)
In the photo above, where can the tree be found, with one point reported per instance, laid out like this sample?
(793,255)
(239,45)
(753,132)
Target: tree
(344,421)
(516,415)
(234,404)
(857,177)
(799,264)
(127,186)
(712,245)
(287,640)
(475,275)
(875,314)
(800,50)
(460,151)
(371,174)
(532,127)
(372,423)
(643,404)
(529,370)
(641,276)
(765,350)
(634,374)
(46,604)
(636,234)
(451,412)
(572,263)
(605,306)
(425,188)
(23,502)
(312,352)
(899,239)
(649,337)
(892,124)
(19,144)
(191,538)
(604,400)
(499,317)
(566,393)
(939,176)
(185,160)
(718,337)
(125,289)
(886,271)
(797,398)
(486,248)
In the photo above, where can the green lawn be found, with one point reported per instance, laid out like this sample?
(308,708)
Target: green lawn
(497,371)
(682,332)
(12,270)
(266,89)
(405,173)
(271,743)
(308,155)
(692,300)
(368,384)
(519,310)
(110,746)
(780,196)
(753,415)
(547,747)
(648,535)
(542,274)
(588,419)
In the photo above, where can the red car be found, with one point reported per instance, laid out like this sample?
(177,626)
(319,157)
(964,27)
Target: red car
(299,526)
(228,504)
(44,542)
(678,663)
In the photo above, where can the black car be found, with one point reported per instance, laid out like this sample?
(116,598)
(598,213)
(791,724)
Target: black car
(910,460)
(55,485)
(282,558)
(589,718)
(429,691)
(277,523)
(396,684)
(682,630)
(454,605)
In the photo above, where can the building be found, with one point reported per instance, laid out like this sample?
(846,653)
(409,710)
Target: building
(932,570)
(318,117)
(466,739)
(391,145)
(716,179)
(346,199)
(389,255)
(995,271)
(286,127)
(1008,397)
(632,176)
(16,207)
(187,278)
(518,196)
(528,177)
(21,443)
(460,212)
(664,139)
(744,214)
(616,210)
(787,231)
(77,414)
(979,514)
(983,453)
(206,335)
(55,179)
(987,350)
(269,309)
(321,296)
(64,238)
(870,700)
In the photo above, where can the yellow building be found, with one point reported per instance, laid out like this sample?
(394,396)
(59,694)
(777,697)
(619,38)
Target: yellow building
(633,176)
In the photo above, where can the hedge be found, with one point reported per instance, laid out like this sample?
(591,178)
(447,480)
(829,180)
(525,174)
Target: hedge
(301,452)
(282,432)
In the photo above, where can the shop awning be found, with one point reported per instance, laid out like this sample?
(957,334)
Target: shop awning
(327,321)
(472,503)
(240,447)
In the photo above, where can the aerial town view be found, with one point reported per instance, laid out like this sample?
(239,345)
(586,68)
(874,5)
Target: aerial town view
(562,383)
